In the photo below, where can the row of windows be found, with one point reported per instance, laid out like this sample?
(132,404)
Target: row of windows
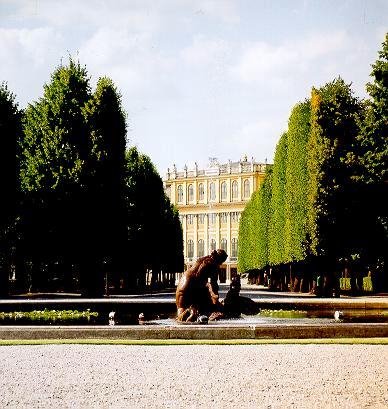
(213,246)
(234,217)
(212,191)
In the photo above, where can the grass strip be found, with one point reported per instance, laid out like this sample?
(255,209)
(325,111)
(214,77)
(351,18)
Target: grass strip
(167,342)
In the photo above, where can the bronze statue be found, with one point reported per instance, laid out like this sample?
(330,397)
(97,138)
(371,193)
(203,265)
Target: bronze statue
(195,294)
(235,305)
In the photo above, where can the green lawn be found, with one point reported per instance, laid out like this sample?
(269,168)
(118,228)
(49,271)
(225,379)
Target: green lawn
(374,341)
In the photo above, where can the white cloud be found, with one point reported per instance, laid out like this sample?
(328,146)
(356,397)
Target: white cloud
(257,138)
(129,58)
(32,45)
(136,15)
(268,64)
(204,51)
(226,10)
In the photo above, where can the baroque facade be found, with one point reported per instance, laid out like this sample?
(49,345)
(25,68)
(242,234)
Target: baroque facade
(210,202)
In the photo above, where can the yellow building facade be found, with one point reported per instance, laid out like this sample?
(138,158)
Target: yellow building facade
(210,202)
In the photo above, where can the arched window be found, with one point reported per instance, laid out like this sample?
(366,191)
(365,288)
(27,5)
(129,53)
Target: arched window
(224,191)
(190,248)
(247,189)
(234,190)
(201,192)
(190,193)
(201,248)
(213,245)
(212,192)
(234,247)
(234,217)
(180,194)
(212,218)
(224,244)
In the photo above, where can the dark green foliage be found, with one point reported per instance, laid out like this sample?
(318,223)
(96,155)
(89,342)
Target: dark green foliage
(248,237)
(329,195)
(55,153)
(373,137)
(278,215)
(154,230)
(10,130)
(106,175)
(333,132)
(86,210)
(172,244)
(296,183)
(73,176)
(55,146)
(370,161)
(253,228)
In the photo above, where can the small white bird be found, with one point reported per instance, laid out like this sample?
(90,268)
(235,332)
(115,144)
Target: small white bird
(338,315)
(112,318)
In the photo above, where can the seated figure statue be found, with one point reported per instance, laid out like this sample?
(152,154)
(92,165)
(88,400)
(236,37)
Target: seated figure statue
(235,305)
(195,294)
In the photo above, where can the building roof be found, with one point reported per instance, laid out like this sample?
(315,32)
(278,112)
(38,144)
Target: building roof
(215,168)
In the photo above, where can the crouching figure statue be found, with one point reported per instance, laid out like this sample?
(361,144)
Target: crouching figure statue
(195,294)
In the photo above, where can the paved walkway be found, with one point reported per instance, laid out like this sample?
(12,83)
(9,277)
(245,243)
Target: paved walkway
(203,376)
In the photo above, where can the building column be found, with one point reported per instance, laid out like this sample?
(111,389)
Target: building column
(195,221)
(218,231)
(229,246)
(206,227)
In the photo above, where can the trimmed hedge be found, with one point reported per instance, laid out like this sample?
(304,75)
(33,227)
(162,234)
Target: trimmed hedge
(367,284)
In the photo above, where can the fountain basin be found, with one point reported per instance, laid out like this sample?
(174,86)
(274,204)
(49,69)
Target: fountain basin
(198,332)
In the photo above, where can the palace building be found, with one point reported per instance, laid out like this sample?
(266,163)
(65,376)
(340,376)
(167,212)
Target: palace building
(210,202)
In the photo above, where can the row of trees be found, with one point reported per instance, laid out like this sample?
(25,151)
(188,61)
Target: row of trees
(76,204)
(324,203)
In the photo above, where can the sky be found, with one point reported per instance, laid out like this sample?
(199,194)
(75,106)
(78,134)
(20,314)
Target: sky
(199,78)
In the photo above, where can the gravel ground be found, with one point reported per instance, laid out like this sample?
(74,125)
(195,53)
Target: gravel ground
(199,376)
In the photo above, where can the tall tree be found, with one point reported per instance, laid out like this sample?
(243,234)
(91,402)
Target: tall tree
(55,174)
(10,128)
(248,239)
(370,158)
(333,131)
(296,183)
(373,137)
(278,221)
(254,226)
(149,213)
(106,164)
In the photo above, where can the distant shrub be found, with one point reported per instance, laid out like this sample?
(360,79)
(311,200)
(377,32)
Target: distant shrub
(49,316)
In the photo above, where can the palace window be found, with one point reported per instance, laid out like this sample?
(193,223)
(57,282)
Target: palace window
(234,216)
(201,219)
(234,190)
(201,192)
(190,219)
(213,245)
(223,218)
(191,193)
(224,244)
(212,218)
(224,191)
(190,248)
(180,194)
(247,189)
(212,192)
(234,247)
(201,248)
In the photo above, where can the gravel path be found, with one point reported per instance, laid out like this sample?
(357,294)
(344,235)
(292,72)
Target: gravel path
(253,376)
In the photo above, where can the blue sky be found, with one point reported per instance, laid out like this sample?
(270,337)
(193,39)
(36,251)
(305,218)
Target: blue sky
(199,78)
